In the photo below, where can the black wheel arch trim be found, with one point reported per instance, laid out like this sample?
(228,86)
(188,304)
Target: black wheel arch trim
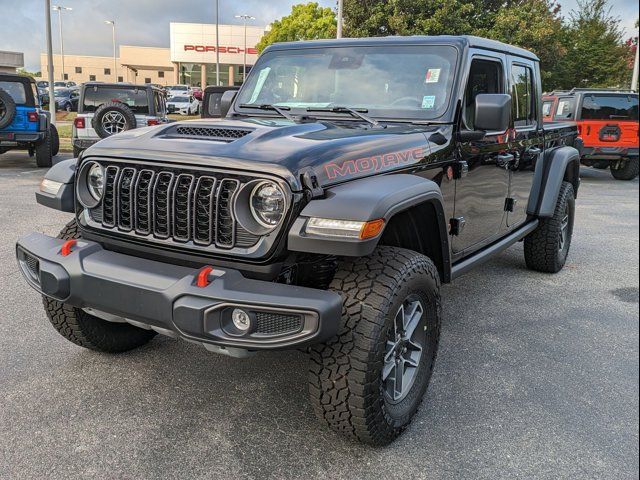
(366,199)
(548,178)
(62,172)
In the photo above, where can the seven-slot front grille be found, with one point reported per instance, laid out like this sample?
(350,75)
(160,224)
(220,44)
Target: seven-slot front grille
(167,204)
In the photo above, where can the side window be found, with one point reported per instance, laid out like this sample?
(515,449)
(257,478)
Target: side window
(565,108)
(546,108)
(522,96)
(485,76)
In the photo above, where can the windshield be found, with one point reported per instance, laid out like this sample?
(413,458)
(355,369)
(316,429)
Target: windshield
(610,107)
(179,88)
(412,82)
(179,100)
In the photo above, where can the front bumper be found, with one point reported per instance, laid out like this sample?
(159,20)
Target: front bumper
(166,297)
(607,153)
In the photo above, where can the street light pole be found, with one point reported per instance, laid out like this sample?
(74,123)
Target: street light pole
(52,98)
(59,9)
(634,78)
(339,35)
(113,38)
(244,62)
(217,43)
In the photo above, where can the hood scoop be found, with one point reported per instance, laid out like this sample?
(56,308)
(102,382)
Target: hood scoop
(220,134)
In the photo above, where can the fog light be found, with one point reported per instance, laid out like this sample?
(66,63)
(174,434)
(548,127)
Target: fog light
(241,319)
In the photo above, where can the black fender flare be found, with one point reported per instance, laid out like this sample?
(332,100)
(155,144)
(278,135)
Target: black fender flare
(370,198)
(558,164)
(63,173)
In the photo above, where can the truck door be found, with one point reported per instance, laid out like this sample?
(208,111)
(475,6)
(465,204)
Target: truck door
(527,141)
(480,194)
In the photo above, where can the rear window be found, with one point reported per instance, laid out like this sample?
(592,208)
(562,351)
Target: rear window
(179,100)
(16,90)
(546,108)
(610,107)
(565,108)
(137,99)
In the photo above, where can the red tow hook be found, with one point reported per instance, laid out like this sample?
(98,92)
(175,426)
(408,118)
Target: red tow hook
(202,280)
(67,246)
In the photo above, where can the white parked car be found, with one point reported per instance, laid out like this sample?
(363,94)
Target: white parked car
(182,90)
(183,104)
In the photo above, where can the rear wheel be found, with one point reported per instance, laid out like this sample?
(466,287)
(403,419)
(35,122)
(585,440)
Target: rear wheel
(626,170)
(369,380)
(547,247)
(55,140)
(76,152)
(86,330)
(44,150)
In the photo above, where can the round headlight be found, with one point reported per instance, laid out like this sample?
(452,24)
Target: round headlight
(267,204)
(95,181)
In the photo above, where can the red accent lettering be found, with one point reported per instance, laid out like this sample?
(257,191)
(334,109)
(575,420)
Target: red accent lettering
(347,168)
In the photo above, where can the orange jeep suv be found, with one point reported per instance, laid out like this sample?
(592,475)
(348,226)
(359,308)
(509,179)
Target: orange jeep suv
(607,125)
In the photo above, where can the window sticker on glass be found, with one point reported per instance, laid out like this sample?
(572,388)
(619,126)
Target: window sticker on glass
(433,75)
(428,101)
(262,77)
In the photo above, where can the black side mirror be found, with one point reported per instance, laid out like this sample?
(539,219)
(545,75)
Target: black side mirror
(493,112)
(225,102)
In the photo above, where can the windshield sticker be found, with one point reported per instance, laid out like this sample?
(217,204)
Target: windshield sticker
(432,76)
(264,73)
(428,101)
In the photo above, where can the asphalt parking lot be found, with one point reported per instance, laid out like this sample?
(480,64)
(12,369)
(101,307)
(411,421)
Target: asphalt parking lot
(537,377)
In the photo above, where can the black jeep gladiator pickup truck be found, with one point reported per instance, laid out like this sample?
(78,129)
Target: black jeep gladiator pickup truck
(346,182)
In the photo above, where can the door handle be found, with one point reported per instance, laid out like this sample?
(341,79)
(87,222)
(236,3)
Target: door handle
(504,160)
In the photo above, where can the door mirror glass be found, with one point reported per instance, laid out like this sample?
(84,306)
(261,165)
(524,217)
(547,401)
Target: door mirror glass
(492,112)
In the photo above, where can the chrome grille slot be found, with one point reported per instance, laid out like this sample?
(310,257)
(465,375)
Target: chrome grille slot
(226,225)
(125,199)
(182,207)
(109,201)
(143,202)
(162,204)
(204,211)
(166,205)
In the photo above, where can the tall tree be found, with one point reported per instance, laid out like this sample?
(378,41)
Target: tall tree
(305,22)
(537,26)
(596,55)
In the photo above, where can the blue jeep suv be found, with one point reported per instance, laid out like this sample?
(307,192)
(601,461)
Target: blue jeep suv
(23,124)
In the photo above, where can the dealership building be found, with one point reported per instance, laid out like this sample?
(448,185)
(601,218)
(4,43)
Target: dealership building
(190,58)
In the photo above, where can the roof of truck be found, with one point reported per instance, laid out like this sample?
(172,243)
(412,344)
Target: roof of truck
(460,41)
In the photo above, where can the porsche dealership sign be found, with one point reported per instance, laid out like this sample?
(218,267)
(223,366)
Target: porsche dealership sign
(196,43)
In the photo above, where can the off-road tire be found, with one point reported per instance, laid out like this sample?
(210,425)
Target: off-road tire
(55,140)
(627,170)
(8,109)
(88,331)
(345,373)
(542,247)
(127,113)
(44,150)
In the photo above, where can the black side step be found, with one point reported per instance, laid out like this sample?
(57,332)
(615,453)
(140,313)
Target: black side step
(478,258)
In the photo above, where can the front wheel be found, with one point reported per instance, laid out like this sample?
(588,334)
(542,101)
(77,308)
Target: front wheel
(89,331)
(546,249)
(626,170)
(369,380)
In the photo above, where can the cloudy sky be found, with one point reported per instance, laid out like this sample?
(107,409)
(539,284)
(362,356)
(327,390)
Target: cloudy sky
(146,22)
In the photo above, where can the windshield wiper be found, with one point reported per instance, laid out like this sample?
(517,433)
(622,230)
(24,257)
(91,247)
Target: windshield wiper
(358,113)
(268,106)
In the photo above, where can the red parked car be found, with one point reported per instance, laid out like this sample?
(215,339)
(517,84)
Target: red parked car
(197,93)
